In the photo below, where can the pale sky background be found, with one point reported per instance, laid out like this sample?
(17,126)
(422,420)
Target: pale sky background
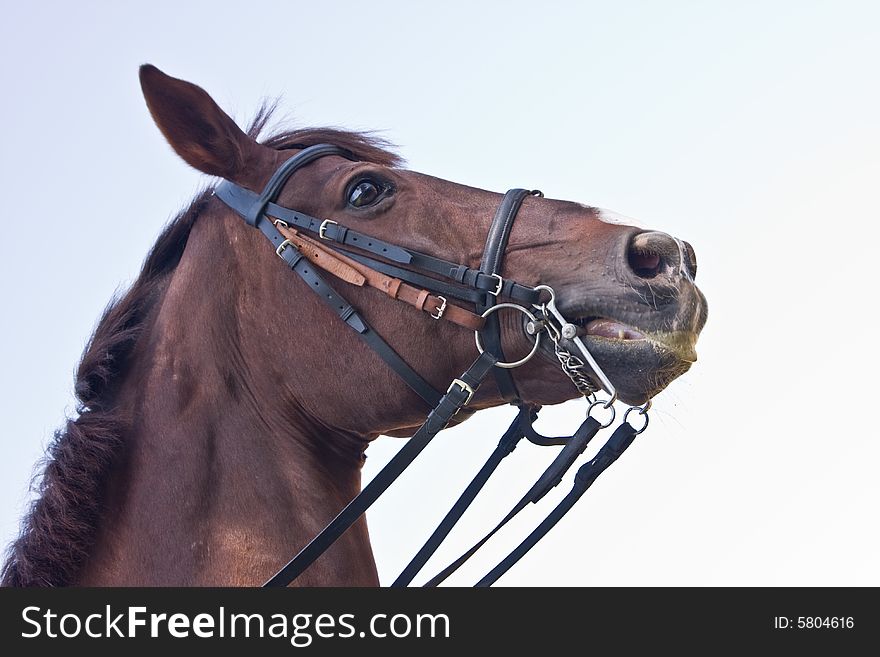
(748,128)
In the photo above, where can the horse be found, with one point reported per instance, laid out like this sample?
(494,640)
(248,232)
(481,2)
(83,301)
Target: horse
(223,410)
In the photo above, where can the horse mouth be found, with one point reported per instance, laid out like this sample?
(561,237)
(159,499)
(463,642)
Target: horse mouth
(603,327)
(682,344)
(639,361)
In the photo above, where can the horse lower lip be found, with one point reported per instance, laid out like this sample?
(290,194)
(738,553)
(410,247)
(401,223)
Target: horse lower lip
(608,328)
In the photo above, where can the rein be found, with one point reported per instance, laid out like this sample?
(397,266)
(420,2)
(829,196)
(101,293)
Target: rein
(308,245)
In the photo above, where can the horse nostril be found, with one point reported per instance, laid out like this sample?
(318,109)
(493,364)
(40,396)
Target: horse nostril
(690,259)
(652,253)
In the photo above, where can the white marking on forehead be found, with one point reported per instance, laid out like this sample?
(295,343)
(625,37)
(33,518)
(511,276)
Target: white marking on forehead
(611,217)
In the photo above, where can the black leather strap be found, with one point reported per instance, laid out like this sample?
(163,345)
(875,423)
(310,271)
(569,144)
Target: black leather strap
(474,278)
(457,397)
(564,460)
(499,231)
(551,477)
(506,445)
(622,438)
(246,202)
(544,441)
(490,265)
(270,192)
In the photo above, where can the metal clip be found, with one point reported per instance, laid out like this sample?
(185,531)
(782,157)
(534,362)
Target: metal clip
(464,388)
(440,309)
(323,228)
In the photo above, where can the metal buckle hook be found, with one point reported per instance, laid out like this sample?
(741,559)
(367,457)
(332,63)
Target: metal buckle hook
(280,250)
(323,228)
(440,309)
(500,285)
(464,388)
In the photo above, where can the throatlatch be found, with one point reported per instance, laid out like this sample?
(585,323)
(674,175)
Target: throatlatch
(308,244)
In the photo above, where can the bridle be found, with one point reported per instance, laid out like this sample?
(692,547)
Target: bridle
(308,245)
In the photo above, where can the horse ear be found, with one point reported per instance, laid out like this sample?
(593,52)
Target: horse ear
(197,129)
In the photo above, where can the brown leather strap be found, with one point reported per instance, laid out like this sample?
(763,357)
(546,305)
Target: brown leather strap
(323,258)
(359,274)
(420,300)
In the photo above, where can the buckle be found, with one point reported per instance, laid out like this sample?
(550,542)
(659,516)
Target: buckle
(440,309)
(464,388)
(323,228)
(500,285)
(280,250)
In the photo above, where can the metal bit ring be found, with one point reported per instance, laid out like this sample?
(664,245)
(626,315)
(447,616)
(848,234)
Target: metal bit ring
(521,361)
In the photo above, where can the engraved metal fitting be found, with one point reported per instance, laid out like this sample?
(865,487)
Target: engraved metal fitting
(569,331)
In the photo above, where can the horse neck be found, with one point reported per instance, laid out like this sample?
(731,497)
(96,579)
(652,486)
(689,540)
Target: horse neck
(224,476)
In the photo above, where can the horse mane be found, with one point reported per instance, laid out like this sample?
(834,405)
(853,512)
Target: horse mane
(58,531)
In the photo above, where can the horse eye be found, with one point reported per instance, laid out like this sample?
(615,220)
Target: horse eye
(365,193)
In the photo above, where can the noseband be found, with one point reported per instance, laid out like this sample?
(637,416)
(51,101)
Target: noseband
(308,245)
